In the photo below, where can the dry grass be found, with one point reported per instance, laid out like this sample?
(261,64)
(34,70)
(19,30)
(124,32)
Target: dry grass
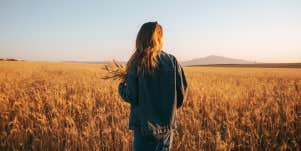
(114,71)
(65,106)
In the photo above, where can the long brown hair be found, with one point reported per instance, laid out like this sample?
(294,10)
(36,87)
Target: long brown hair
(149,43)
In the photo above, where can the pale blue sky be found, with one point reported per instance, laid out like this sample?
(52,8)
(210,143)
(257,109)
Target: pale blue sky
(56,30)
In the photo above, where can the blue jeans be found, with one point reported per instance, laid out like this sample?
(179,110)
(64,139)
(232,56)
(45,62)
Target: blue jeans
(150,142)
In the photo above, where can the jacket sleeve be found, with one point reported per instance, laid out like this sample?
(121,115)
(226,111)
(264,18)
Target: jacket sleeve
(181,85)
(128,90)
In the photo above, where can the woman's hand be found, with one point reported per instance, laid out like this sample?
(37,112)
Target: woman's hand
(122,78)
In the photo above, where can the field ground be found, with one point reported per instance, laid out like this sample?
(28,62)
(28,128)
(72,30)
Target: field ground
(67,106)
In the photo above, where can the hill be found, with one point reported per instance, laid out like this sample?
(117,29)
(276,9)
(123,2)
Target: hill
(213,59)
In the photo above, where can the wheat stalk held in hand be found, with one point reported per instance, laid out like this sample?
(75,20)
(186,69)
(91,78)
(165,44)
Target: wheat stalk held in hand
(114,71)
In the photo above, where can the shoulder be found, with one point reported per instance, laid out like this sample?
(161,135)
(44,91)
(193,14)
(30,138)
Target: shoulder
(171,56)
(173,59)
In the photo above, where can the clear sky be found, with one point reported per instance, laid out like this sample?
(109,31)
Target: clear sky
(57,30)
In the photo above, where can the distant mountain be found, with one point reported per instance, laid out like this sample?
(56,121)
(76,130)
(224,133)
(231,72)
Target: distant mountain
(213,59)
(10,59)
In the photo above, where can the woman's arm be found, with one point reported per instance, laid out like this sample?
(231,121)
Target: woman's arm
(128,89)
(181,85)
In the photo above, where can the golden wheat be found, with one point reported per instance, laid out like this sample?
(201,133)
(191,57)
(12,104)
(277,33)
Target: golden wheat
(65,106)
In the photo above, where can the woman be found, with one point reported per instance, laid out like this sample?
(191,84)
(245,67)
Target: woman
(155,86)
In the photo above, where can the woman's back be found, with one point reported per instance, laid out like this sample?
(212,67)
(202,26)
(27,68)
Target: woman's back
(157,95)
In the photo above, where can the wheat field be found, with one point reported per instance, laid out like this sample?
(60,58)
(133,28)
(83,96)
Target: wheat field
(67,106)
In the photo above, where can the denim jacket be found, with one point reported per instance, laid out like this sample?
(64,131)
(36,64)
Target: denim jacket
(154,98)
